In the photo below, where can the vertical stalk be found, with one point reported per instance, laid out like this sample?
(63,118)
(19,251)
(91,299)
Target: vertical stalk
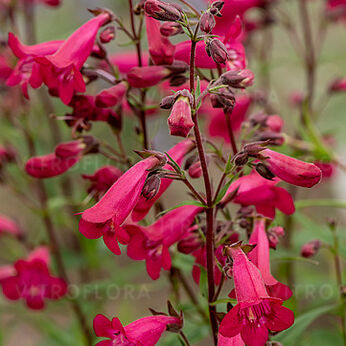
(230,132)
(209,210)
(136,38)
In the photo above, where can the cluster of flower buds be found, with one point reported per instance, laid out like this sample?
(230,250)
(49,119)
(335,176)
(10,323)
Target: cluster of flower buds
(310,248)
(161,10)
(180,120)
(151,186)
(274,234)
(249,150)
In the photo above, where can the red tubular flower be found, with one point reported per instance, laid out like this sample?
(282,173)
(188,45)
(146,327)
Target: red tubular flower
(261,258)
(61,70)
(255,312)
(9,226)
(105,217)
(291,170)
(26,71)
(152,243)
(112,96)
(161,50)
(262,193)
(102,180)
(177,153)
(147,76)
(145,331)
(65,156)
(180,120)
(33,282)
(125,61)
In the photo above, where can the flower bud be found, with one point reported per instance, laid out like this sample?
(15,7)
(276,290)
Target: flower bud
(162,11)
(207,22)
(177,80)
(338,85)
(264,171)
(147,76)
(180,120)
(151,186)
(252,149)
(241,159)
(218,5)
(107,35)
(195,170)
(273,240)
(217,51)
(311,248)
(238,79)
(171,29)
(167,102)
(223,99)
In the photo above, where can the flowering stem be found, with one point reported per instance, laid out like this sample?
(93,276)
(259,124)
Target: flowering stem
(187,343)
(137,41)
(230,133)
(209,210)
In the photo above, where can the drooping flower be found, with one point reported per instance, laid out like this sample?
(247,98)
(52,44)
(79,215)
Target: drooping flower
(105,217)
(152,243)
(61,71)
(255,312)
(161,50)
(147,76)
(102,180)
(291,170)
(9,226)
(145,331)
(64,157)
(177,153)
(26,70)
(262,193)
(33,282)
(125,61)
(260,257)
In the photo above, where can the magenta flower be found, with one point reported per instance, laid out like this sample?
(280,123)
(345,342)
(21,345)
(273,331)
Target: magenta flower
(105,217)
(291,170)
(9,226)
(152,243)
(161,50)
(177,153)
(102,180)
(33,282)
(261,258)
(26,71)
(310,248)
(145,331)
(112,96)
(65,156)
(125,61)
(255,312)
(61,71)
(262,193)
(217,126)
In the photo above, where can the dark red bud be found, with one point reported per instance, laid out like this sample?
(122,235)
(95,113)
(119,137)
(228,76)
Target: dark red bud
(207,22)
(238,79)
(167,102)
(162,11)
(171,29)
(151,186)
(252,149)
(195,170)
(241,159)
(217,51)
(218,5)
(264,171)
(107,35)
(311,248)
(273,240)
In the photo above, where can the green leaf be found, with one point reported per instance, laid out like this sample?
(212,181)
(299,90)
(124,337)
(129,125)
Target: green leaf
(196,203)
(177,167)
(223,191)
(304,203)
(302,322)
